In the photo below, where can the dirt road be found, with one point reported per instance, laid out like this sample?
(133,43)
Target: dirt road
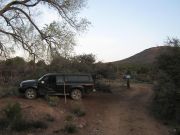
(124,112)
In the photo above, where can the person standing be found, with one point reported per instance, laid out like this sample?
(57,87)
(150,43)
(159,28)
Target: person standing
(128,77)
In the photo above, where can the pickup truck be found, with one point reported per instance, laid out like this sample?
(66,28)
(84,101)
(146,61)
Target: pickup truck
(75,85)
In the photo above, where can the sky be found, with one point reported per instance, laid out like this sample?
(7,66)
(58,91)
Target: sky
(122,28)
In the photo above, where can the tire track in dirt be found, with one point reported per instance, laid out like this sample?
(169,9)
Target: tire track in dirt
(127,114)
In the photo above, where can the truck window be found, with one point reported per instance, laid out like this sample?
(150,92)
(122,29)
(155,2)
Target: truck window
(51,79)
(77,78)
(59,80)
(45,79)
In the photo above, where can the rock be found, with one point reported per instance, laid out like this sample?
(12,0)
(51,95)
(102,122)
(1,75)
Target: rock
(81,123)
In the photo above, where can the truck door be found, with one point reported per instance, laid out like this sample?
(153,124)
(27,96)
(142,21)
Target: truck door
(51,84)
(47,84)
(60,83)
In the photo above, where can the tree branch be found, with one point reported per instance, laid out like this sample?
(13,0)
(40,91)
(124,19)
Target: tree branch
(28,17)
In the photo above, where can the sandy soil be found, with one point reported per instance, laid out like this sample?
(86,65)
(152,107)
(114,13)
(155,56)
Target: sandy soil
(122,112)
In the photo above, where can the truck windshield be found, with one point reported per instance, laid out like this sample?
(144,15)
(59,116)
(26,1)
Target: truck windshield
(41,78)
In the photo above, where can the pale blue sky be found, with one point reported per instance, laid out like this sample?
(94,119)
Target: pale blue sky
(121,28)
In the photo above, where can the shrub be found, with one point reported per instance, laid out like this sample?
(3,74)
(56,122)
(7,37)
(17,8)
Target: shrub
(24,125)
(13,120)
(38,125)
(69,118)
(13,112)
(166,91)
(8,91)
(70,128)
(49,118)
(52,100)
(78,112)
(103,87)
(3,124)
(166,103)
(164,99)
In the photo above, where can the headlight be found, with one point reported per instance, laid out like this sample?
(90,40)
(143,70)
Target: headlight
(20,85)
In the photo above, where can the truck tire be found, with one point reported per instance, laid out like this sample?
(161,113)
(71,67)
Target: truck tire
(30,93)
(76,94)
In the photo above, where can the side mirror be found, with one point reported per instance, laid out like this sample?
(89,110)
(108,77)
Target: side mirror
(42,82)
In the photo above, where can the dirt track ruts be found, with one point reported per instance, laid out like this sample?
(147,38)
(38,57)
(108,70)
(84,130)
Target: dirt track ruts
(125,112)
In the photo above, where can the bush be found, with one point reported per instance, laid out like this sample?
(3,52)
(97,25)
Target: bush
(69,118)
(13,120)
(38,125)
(102,86)
(78,112)
(8,91)
(164,100)
(3,124)
(13,112)
(49,118)
(70,128)
(166,103)
(12,117)
(52,100)
(25,125)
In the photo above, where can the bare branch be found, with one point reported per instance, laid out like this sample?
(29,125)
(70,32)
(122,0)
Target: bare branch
(17,14)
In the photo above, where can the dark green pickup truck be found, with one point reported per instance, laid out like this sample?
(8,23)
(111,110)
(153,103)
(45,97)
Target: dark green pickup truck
(74,85)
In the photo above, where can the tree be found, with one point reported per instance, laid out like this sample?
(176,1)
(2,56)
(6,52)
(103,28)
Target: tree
(85,58)
(16,16)
(84,62)
(62,40)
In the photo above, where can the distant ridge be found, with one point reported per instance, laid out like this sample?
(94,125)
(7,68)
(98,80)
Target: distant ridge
(147,56)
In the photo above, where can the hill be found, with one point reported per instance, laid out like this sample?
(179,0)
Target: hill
(145,57)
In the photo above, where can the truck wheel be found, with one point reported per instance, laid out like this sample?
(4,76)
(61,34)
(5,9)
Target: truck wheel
(76,94)
(30,93)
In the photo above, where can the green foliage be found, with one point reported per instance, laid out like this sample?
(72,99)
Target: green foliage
(166,100)
(8,91)
(13,112)
(69,118)
(24,125)
(38,42)
(170,63)
(78,111)
(52,100)
(108,70)
(70,128)
(85,58)
(12,119)
(64,39)
(102,86)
